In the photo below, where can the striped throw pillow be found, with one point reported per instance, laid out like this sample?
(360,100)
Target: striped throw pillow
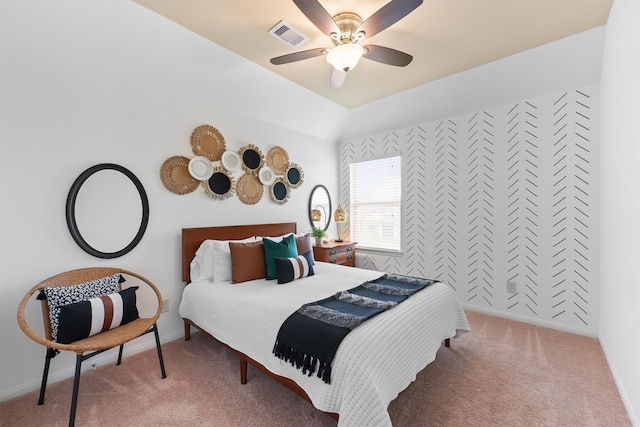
(87,318)
(290,269)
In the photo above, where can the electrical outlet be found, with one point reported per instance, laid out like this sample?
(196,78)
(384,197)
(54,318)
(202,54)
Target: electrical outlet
(165,305)
(511,287)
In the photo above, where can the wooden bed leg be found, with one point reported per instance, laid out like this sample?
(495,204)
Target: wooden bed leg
(243,371)
(447,342)
(187,331)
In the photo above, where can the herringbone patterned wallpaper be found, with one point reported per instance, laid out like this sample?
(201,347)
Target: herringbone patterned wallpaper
(507,194)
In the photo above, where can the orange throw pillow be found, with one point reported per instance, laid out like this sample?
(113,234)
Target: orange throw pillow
(247,261)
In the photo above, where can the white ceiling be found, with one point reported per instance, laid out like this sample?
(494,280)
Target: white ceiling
(444,36)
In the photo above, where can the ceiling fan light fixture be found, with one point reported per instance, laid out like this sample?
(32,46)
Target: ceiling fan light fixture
(345,57)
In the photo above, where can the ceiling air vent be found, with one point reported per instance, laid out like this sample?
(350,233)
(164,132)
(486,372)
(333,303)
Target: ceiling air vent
(286,34)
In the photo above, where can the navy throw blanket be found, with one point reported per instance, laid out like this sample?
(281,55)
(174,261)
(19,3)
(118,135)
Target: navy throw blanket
(310,337)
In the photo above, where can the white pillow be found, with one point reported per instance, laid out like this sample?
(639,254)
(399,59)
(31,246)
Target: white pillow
(222,255)
(202,265)
(212,261)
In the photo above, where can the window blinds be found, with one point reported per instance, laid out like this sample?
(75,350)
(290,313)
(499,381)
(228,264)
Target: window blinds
(375,203)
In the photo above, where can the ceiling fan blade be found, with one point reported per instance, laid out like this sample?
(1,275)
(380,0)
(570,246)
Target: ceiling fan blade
(337,78)
(298,56)
(388,15)
(318,15)
(386,55)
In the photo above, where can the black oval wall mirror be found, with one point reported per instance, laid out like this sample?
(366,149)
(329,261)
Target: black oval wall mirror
(107,210)
(320,201)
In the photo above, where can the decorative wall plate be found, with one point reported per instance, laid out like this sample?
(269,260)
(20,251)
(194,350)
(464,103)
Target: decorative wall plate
(231,161)
(252,158)
(266,175)
(278,160)
(200,168)
(280,191)
(221,185)
(207,141)
(294,175)
(174,174)
(249,189)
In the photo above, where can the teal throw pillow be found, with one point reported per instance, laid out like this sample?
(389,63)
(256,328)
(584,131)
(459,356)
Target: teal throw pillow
(286,248)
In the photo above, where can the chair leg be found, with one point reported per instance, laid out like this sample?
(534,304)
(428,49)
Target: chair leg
(76,386)
(155,332)
(51,353)
(120,354)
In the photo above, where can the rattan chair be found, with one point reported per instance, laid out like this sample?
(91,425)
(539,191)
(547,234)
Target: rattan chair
(95,344)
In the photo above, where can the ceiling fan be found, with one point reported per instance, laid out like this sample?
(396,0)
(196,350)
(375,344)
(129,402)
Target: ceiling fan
(346,30)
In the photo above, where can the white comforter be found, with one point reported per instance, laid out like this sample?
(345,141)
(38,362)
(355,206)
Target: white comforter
(374,363)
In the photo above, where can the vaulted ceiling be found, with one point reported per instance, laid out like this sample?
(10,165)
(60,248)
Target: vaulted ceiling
(443,36)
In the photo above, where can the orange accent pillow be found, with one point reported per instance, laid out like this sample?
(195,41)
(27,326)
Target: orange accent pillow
(304,245)
(247,261)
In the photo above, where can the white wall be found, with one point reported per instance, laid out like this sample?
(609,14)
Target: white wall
(412,122)
(84,83)
(620,198)
(507,193)
(568,63)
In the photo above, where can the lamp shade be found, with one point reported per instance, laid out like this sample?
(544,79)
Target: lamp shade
(316,215)
(345,57)
(340,215)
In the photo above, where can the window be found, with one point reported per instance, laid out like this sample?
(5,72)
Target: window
(376,193)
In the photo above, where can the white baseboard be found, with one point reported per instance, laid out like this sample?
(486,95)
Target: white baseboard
(533,321)
(108,357)
(633,417)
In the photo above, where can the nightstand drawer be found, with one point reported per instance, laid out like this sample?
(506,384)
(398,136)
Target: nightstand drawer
(343,253)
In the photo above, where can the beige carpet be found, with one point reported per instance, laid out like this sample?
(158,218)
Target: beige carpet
(502,373)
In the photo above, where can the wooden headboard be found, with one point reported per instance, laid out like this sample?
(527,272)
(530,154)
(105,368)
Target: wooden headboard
(192,238)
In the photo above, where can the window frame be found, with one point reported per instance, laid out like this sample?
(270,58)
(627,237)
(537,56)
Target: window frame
(362,246)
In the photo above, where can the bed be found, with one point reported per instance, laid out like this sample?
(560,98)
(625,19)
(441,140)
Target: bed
(374,363)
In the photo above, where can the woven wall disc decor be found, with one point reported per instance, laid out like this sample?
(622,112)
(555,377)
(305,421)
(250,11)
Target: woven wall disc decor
(266,175)
(215,169)
(221,185)
(294,175)
(207,141)
(249,189)
(175,175)
(200,168)
(278,160)
(252,158)
(280,191)
(231,161)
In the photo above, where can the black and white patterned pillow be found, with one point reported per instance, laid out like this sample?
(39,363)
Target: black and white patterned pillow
(59,296)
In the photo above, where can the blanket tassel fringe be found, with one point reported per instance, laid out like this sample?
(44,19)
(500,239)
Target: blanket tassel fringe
(308,364)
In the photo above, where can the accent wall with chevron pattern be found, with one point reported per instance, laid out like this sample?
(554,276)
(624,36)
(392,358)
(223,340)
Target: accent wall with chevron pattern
(507,194)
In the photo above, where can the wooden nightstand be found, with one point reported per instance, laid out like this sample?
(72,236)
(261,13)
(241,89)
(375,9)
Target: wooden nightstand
(343,253)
